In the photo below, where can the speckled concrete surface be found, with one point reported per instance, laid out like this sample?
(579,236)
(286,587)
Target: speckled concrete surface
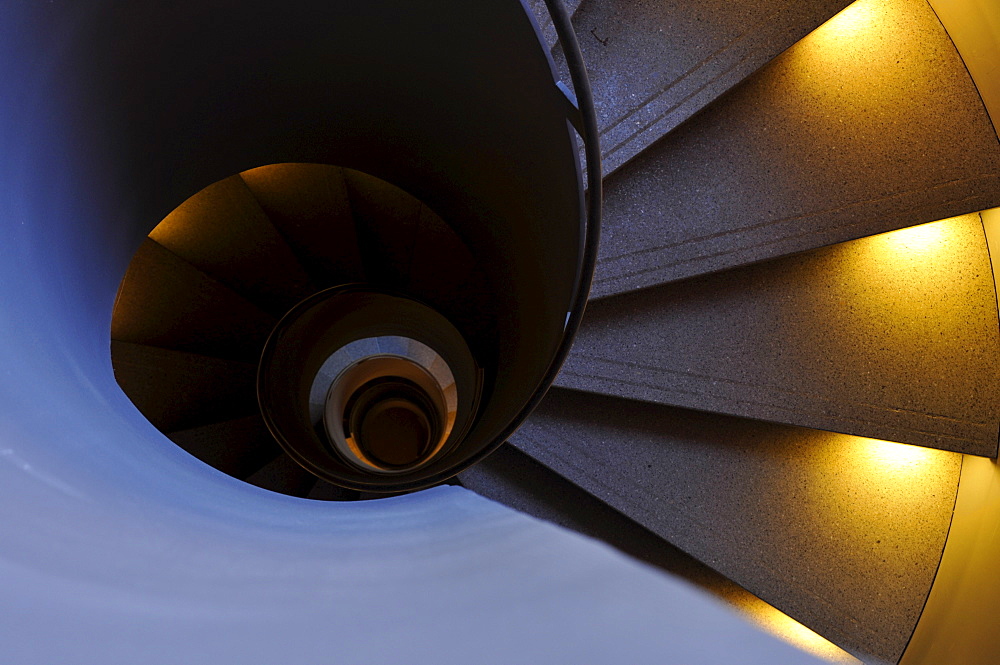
(823,526)
(892,337)
(511,477)
(541,13)
(862,127)
(653,64)
(866,127)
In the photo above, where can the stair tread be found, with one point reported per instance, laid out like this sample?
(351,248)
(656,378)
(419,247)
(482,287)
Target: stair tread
(284,475)
(165,301)
(223,232)
(308,204)
(817,524)
(654,65)
(178,390)
(834,140)
(515,479)
(239,447)
(892,337)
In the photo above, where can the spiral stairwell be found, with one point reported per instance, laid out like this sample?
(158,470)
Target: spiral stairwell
(785,388)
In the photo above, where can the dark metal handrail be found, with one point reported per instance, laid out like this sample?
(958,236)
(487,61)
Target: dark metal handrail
(592,219)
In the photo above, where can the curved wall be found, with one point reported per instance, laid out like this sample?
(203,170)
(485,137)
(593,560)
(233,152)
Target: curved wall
(958,624)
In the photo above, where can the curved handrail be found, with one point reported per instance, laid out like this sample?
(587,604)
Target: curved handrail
(592,150)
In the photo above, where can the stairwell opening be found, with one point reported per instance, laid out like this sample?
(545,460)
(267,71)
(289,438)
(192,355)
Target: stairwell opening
(309,329)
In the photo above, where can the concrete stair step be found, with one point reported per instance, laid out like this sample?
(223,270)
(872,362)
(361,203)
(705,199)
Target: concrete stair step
(892,337)
(869,124)
(309,205)
(239,447)
(841,533)
(515,479)
(653,65)
(167,302)
(541,14)
(177,390)
(223,232)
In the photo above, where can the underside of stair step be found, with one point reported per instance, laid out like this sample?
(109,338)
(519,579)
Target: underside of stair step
(654,64)
(238,447)
(250,257)
(869,124)
(175,390)
(891,337)
(387,220)
(206,289)
(190,311)
(309,205)
(284,475)
(842,533)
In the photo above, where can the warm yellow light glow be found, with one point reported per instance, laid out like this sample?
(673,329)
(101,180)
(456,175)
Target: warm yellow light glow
(891,478)
(854,30)
(794,632)
(851,23)
(859,72)
(887,474)
(896,456)
(781,625)
(920,255)
(898,473)
(909,291)
(922,239)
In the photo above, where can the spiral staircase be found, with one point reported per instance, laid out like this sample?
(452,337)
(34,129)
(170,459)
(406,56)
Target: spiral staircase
(784,390)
